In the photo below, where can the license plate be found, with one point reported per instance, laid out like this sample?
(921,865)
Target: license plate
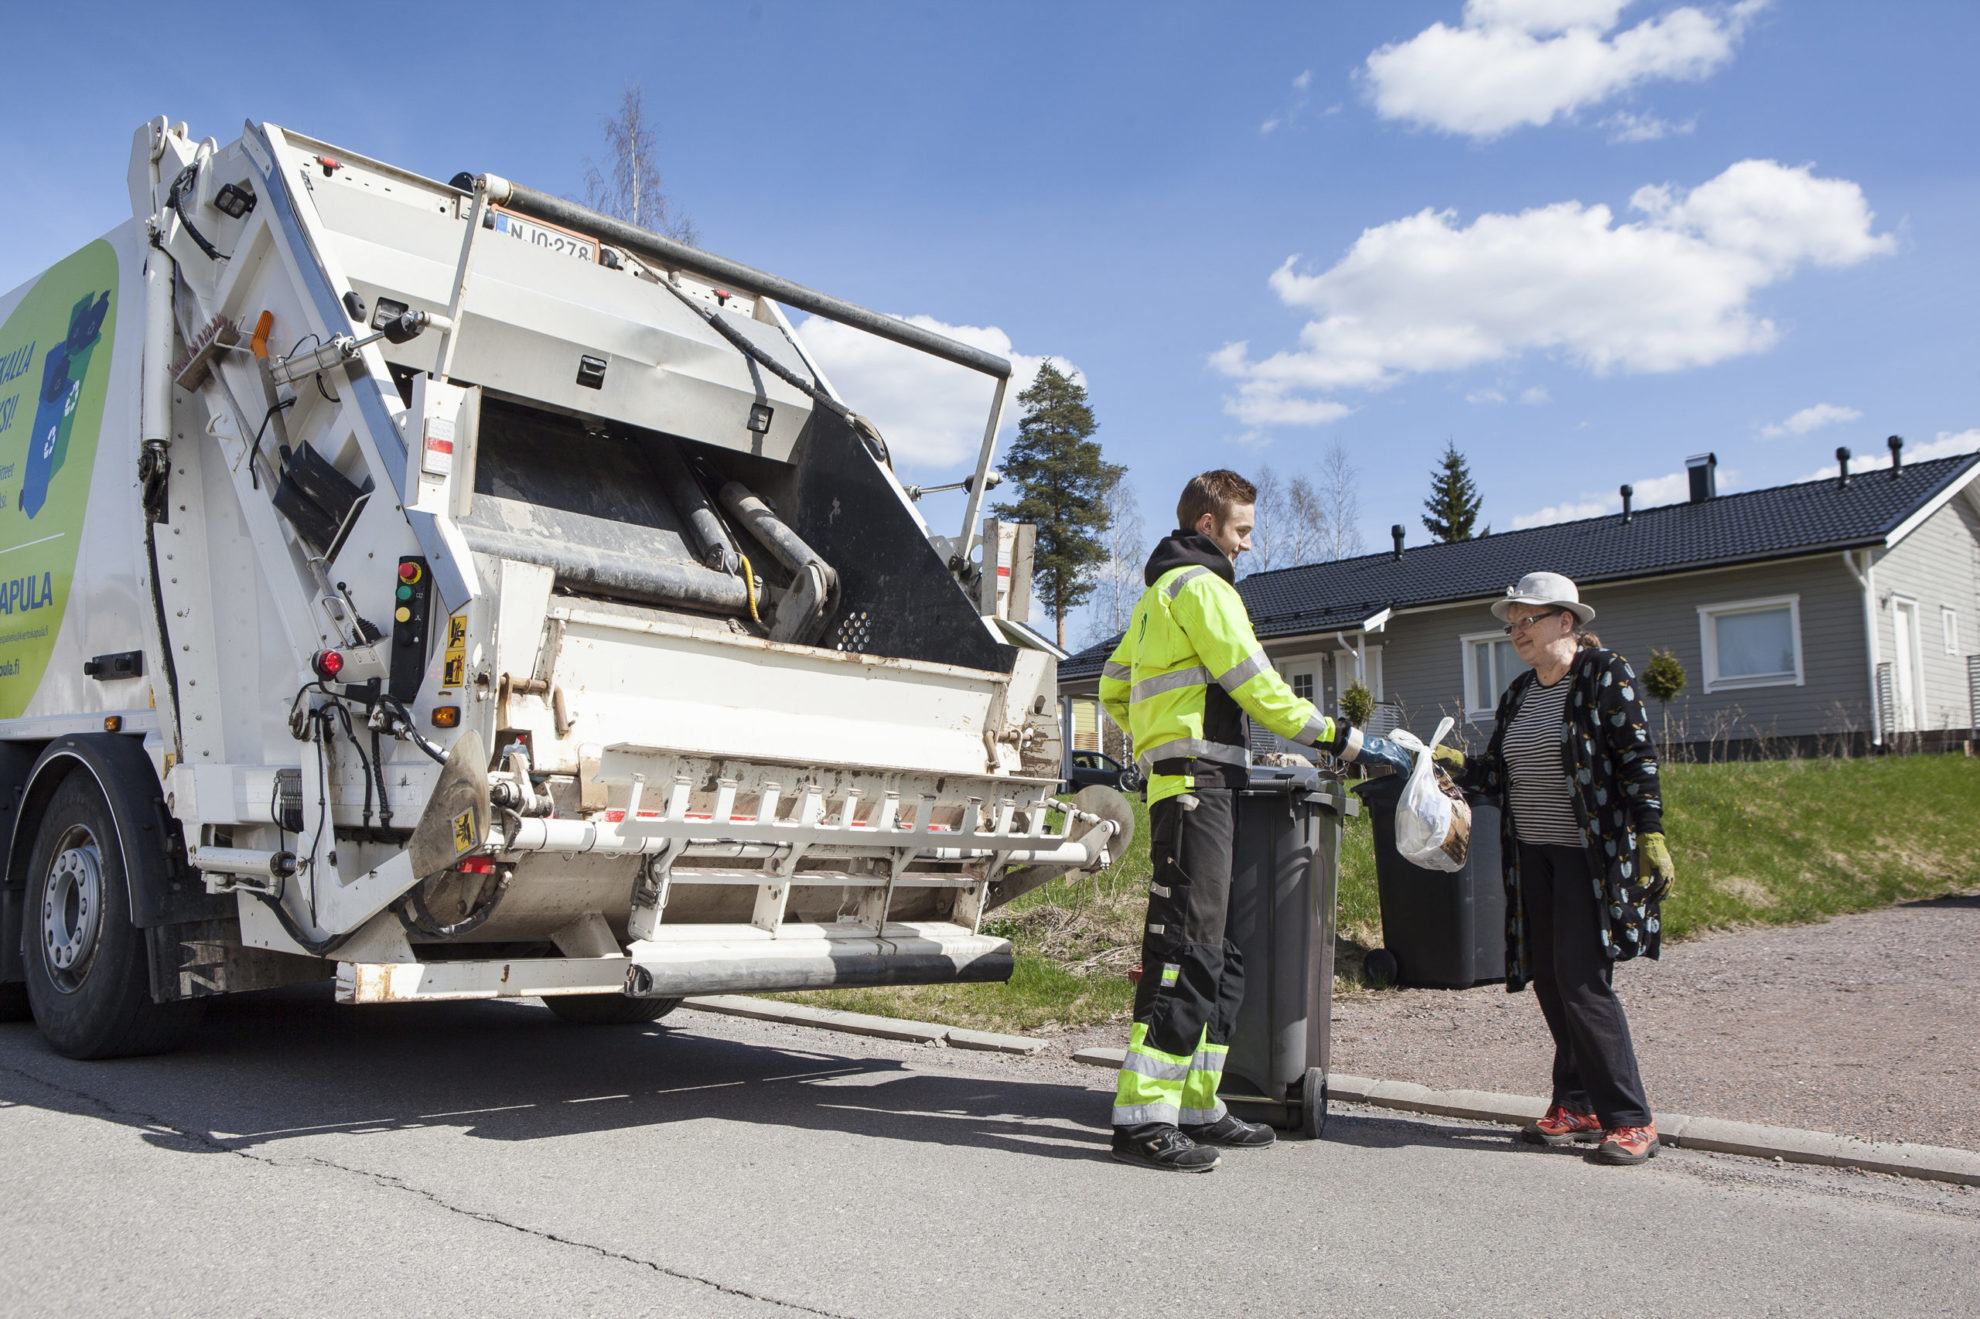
(548,237)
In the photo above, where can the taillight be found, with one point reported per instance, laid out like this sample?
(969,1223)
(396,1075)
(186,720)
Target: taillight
(328,664)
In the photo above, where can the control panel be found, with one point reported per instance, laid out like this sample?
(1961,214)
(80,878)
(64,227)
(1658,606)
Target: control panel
(412,608)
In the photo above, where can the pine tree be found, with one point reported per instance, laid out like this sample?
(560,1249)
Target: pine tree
(1062,483)
(1454,500)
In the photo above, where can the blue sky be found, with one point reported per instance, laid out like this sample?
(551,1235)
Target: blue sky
(1256,230)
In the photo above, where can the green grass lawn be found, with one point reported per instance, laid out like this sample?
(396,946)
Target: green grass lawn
(1761,843)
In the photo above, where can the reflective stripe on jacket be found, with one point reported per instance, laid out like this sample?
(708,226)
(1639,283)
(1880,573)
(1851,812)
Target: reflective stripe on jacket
(1188,663)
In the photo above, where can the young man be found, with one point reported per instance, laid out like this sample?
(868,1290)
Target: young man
(1186,672)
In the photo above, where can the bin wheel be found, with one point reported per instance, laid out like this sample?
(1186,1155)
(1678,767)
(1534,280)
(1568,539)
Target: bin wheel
(1313,1104)
(1382,968)
(609,1009)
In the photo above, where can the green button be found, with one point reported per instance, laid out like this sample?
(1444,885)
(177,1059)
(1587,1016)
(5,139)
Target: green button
(405,592)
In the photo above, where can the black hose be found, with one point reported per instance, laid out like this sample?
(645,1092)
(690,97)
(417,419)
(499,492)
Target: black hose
(868,434)
(414,914)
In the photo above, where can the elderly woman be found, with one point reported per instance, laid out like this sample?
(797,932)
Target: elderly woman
(1586,866)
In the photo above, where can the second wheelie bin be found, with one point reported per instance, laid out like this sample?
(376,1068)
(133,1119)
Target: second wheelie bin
(1283,891)
(1439,930)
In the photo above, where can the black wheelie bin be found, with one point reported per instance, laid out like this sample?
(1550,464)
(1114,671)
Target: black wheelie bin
(1440,930)
(1283,892)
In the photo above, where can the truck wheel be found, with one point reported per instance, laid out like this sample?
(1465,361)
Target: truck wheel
(88,977)
(609,1009)
(1381,967)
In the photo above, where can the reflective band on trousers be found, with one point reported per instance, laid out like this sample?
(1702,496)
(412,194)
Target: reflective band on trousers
(1156,1067)
(1200,1105)
(1169,682)
(1150,1086)
(1182,579)
(1180,748)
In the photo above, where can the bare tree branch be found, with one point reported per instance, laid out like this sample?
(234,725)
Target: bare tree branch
(629,187)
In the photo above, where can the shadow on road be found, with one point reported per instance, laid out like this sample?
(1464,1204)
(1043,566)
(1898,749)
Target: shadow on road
(291,1064)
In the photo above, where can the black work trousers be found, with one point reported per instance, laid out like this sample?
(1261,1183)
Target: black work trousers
(1594,1061)
(1192,978)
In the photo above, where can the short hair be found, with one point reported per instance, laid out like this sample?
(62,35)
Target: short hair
(1215,493)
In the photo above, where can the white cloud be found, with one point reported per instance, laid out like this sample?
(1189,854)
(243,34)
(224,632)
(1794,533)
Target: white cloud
(1665,292)
(930,412)
(1810,418)
(1626,127)
(1485,396)
(1674,488)
(1949,444)
(1301,92)
(1535,396)
(1513,63)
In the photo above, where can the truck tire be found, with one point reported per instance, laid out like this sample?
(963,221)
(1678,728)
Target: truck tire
(88,977)
(609,1009)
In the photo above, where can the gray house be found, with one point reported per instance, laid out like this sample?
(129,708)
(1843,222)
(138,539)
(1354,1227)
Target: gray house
(1829,613)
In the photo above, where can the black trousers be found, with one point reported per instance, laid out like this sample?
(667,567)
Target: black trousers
(1594,1061)
(1191,976)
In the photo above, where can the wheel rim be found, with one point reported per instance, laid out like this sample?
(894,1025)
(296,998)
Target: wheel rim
(72,908)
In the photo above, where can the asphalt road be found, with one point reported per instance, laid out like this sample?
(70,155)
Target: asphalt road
(306,1159)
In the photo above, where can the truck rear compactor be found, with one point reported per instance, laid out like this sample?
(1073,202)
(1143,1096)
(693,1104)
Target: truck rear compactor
(454,592)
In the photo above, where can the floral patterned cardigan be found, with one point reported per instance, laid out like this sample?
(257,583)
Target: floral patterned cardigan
(1612,780)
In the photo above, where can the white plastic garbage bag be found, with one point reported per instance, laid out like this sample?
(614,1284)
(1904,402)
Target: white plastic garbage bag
(1433,820)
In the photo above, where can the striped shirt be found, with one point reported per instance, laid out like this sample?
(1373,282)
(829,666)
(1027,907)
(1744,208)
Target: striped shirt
(1536,769)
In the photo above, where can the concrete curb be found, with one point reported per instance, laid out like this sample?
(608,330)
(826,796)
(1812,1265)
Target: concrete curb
(860,1023)
(1929,1162)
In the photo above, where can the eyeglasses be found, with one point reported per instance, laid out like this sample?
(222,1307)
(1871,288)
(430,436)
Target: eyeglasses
(1523,623)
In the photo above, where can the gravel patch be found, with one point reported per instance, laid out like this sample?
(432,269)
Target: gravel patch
(1865,1025)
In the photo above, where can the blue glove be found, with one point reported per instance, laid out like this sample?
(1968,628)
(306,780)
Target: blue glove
(1381,751)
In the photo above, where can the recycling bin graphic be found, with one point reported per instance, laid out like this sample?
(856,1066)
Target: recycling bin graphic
(61,386)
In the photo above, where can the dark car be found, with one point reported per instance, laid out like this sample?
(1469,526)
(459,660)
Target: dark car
(1101,768)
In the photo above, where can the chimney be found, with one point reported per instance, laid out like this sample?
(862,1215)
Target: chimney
(1897,455)
(1704,476)
(1842,463)
(1627,492)
(1397,532)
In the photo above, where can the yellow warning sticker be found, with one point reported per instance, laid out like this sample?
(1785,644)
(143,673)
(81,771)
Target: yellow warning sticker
(464,832)
(453,667)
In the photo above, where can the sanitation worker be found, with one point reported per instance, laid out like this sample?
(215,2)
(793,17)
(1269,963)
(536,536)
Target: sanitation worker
(1186,671)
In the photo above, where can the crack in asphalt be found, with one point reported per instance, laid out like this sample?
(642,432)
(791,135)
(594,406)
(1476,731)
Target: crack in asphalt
(214,1144)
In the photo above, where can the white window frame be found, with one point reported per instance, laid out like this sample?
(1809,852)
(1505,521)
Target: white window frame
(1479,707)
(1949,628)
(1708,641)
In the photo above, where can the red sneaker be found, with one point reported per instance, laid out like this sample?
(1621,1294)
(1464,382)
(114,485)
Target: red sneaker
(1628,1144)
(1562,1125)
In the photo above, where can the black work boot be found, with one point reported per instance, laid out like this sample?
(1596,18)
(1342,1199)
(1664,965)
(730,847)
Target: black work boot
(1232,1133)
(1163,1148)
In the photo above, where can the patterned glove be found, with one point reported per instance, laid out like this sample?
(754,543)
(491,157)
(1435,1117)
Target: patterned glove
(1656,858)
(1450,758)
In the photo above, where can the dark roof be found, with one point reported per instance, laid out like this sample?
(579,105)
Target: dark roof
(1780,522)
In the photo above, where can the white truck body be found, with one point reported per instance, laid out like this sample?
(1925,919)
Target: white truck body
(288,574)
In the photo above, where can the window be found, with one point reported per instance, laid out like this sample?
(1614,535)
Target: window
(1949,626)
(1751,643)
(1490,665)
(1302,686)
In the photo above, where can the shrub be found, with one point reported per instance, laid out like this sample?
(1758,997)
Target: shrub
(1357,705)
(1663,677)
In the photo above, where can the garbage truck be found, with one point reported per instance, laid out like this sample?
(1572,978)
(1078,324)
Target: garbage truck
(456,593)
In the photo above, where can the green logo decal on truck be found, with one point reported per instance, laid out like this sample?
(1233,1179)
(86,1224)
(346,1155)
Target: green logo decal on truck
(54,374)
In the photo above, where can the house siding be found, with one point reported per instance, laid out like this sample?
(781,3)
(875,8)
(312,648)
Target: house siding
(1938,567)
(1423,659)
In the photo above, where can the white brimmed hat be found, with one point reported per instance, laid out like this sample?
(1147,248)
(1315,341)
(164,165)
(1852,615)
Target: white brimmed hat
(1543,588)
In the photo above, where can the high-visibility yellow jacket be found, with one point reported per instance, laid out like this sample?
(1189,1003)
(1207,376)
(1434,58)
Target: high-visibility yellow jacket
(1188,668)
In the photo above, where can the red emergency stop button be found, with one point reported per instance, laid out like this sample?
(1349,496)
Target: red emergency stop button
(408,572)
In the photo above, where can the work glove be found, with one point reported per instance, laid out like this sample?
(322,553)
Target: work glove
(1654,855)
(1381,751)
(1450,758)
